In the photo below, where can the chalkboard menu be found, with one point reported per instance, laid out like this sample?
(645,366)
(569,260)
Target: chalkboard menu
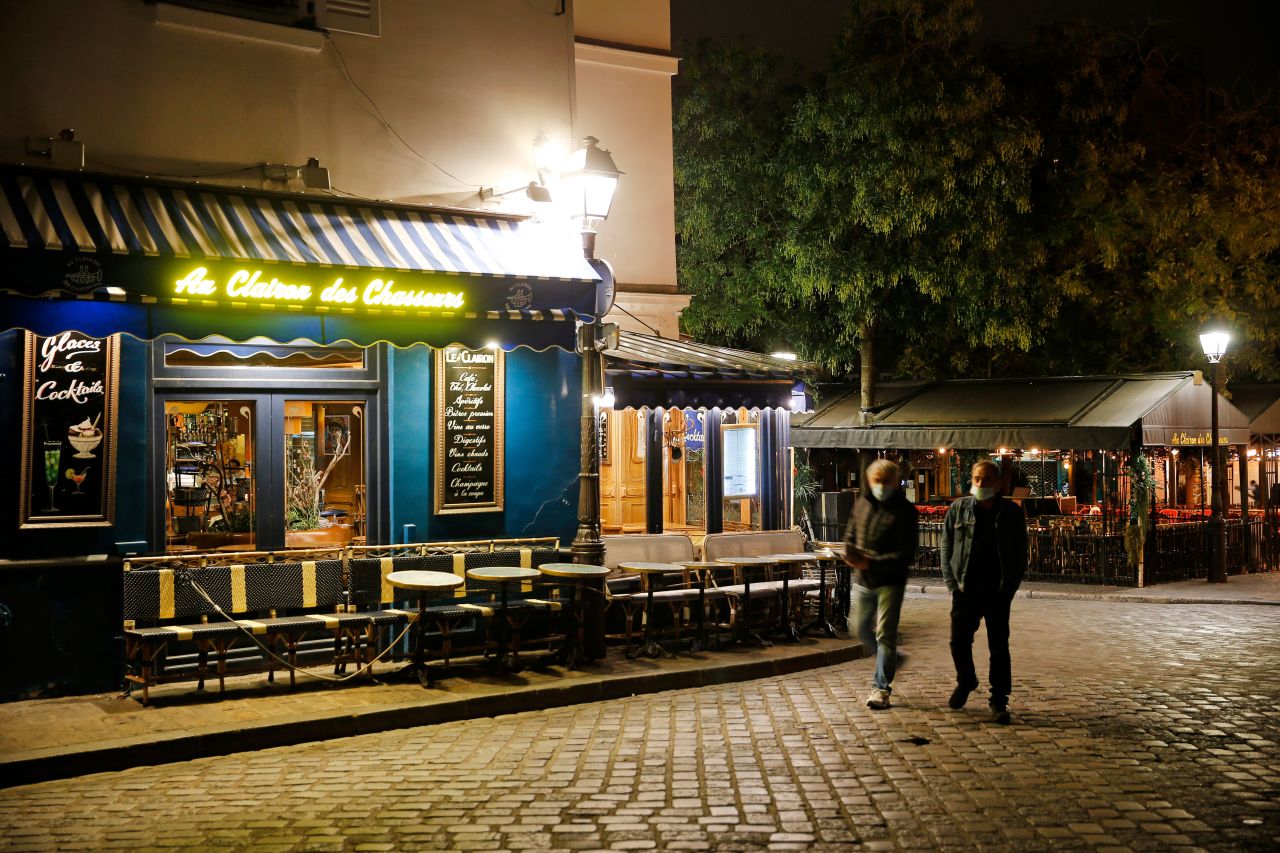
(469,425)
(68,431)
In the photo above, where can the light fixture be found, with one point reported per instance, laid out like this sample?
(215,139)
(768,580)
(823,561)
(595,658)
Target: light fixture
(605,400)
(534,191)
(492,345)
(587,182)
(942,451)
(785,356)
(1214,343)
(547,155)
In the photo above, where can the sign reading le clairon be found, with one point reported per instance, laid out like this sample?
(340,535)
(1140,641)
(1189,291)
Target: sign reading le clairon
(257,286)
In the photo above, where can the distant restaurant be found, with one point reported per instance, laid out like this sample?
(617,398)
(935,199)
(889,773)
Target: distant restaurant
(1069,450)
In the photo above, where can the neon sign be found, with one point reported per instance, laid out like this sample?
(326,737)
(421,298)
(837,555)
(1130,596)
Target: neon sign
(255,285)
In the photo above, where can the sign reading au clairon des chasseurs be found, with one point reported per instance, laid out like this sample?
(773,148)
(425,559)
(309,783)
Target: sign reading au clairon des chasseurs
(306,287)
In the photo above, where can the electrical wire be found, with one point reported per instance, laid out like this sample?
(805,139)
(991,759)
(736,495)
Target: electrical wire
(341,62)
(284,663)
(152,173)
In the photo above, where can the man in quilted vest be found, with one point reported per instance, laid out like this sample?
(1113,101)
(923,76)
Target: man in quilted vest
(880,543)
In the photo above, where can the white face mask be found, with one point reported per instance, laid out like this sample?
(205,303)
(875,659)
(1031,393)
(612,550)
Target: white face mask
(880,491)
(983,493)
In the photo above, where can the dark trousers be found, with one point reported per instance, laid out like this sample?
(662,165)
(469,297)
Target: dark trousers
(967,611)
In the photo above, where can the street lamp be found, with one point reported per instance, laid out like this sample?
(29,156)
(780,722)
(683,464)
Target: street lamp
(587,183)
(1214,343)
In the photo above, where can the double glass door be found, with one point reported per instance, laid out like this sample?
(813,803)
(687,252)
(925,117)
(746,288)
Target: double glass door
(262,471)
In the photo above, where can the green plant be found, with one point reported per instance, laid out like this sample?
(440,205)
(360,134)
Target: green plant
(1142,486)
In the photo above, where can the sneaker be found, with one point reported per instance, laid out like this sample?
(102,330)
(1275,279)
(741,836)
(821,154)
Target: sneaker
(878,699)
(959,696)
(1000,714)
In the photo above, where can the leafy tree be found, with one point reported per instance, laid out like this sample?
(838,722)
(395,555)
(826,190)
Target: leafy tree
(729,126)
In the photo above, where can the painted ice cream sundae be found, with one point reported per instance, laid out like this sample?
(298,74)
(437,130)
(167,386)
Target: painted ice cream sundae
(84,437)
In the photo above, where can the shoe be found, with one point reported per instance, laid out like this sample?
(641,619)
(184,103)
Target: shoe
(1000,714)
(959,696)
(878,699)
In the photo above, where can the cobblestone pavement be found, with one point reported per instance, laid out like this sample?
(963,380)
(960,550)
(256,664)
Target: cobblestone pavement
(1138,726)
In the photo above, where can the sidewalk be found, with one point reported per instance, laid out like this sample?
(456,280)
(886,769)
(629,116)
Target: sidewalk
(45,739)
(1239,589)
(58,738)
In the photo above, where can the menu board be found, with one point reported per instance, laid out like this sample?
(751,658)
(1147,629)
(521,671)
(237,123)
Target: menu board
(741,461)
(469,426)
(68,431)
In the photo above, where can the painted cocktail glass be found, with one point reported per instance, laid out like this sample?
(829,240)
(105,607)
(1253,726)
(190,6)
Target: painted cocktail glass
(52,458)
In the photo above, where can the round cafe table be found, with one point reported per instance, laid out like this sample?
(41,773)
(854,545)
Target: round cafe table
(702,571)
(788,628)
(650,647)
(744,565)
(503,576)
(425,584)
(576,574)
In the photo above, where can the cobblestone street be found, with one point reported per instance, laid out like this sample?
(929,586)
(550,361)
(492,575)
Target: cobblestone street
(1136,725)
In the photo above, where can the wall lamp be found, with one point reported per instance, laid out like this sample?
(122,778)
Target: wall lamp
(534,191)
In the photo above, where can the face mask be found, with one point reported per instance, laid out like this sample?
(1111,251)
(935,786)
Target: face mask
(983,493)
(880,491)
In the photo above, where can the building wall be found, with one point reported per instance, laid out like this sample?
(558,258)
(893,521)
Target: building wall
(623,73)
(468,85)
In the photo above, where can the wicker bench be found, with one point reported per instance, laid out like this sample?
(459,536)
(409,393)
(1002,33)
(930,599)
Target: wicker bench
(347,601)
(164,607)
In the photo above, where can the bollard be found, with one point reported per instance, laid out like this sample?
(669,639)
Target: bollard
(410,533)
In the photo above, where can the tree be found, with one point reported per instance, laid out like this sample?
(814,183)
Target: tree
(729,127)
(906,176)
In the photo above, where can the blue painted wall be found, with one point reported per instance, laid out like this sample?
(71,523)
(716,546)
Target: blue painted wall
(541,458)
(542,455)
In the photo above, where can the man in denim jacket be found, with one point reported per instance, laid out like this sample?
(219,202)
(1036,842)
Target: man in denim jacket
(984,556)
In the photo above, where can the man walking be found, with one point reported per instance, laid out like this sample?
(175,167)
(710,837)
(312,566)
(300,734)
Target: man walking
(984,556)
(880,543)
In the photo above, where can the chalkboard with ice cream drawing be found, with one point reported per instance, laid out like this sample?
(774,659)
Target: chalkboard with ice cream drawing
(69,398)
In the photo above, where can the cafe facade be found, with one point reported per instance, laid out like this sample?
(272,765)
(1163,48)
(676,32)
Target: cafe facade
(190,368)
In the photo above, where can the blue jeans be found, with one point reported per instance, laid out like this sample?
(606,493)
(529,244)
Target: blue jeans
(875,620)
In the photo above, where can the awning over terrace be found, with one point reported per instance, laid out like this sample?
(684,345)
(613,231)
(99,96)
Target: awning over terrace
(1261,405)
(1071,412)
(147,258)
(646,370)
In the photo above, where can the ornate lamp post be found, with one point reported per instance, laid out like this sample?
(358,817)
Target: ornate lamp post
(587,183)
(1214,343)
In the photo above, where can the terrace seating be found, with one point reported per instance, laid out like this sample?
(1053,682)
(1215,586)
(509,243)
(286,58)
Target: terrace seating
(284,603)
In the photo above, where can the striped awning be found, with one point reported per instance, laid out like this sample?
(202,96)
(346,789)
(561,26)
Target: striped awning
(105,255)
(111,215)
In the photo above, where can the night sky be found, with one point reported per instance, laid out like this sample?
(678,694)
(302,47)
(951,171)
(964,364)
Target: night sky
(1231,43)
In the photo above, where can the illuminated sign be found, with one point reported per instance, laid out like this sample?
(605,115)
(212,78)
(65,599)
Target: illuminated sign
(259,286)
(1204,439)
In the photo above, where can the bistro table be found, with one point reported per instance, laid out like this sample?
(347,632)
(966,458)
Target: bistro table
(822,558)
(425,584)
(650,647)
(577,574)
(503,576)
(701,571)
(745,634)
(788,628)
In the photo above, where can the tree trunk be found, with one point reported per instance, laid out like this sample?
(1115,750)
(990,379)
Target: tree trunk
(867,357)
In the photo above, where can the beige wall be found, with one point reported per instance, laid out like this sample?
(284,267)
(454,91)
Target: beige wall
(638,23)
(469,85)
(624,73)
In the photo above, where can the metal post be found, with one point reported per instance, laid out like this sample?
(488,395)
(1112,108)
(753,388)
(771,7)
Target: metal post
(1217,524)
(587,545)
